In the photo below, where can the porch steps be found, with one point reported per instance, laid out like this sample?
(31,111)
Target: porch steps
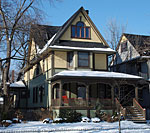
(133,114)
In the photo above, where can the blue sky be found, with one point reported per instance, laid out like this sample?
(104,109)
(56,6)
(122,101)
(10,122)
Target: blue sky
(134,13)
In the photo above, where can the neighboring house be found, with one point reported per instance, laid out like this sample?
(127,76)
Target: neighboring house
(133,57)
(18,91)
(68,69)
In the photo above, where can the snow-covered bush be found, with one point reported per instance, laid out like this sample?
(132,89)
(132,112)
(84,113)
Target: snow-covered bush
(85,119)
(6,123)
(16,120)
(95,120)
(70,116)
(47,120)
(58,120)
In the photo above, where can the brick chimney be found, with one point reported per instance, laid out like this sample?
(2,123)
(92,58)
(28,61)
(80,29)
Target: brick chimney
(87,11)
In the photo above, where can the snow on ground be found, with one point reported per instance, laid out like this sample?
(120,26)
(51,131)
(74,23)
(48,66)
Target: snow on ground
(79,127)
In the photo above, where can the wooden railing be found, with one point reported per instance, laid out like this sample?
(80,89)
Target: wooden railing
(120,108)
(139,107)
(79,102)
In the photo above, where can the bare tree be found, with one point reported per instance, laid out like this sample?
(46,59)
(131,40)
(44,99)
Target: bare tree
(113,32)
(15,21)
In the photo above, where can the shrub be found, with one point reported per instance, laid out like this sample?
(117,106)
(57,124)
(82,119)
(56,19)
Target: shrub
(70,115)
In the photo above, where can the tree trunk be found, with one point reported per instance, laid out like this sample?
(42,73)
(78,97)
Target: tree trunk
(6,78)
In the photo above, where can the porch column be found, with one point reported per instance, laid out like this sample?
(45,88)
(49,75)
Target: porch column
(136,93)
(60,93)
(52,94)
(112,94)
(87,94)
(87,99)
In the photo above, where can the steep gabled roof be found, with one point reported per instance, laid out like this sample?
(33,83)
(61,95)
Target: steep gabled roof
(42,33)
(140,42)
(68,23)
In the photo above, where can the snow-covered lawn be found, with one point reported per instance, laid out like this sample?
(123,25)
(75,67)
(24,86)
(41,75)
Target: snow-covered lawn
(103,127)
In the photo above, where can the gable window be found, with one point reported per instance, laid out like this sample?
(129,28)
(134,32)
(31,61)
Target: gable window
(70,59)
(124,46)
(83,59)
(80,30)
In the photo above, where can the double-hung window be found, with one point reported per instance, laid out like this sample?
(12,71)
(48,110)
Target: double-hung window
(83,59)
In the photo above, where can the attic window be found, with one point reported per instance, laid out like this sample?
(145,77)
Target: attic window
(80,30)
(124,46)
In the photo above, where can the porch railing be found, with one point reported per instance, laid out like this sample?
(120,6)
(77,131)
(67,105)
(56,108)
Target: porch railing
(120,108)
(82,102)
(139,107)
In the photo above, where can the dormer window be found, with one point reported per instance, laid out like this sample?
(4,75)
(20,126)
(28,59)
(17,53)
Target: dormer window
(80,30)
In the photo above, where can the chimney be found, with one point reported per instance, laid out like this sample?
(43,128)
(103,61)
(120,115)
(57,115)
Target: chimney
(12,78)
(87,11)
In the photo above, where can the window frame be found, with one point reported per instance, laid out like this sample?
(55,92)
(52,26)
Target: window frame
(80,35)
(80,66)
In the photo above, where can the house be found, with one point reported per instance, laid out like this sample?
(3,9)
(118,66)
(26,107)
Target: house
(19,93)
(133,57)
(68,69)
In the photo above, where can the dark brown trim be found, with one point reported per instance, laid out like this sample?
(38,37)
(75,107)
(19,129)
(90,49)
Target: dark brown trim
(52,63)
(93,61)
(89,29)
(107,62)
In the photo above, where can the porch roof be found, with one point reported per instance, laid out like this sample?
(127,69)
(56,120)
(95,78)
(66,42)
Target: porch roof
(18,84)
(96,74)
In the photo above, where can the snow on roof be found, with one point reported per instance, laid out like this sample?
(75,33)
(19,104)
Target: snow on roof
(39,51)
(46,45)
(87,49)
(17,84)
(101,74)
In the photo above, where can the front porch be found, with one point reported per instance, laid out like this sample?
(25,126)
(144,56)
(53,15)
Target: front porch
(92,93)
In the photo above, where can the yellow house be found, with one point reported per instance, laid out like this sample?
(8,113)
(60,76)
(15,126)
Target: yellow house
(68,67)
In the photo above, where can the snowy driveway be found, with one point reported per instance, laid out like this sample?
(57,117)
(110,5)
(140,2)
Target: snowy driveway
(103,127)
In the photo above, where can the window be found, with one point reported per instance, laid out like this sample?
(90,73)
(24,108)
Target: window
(83,59)
(38,69)
(41,93)
(70,59)
(82,91)
(80,30)
(123,46)
(35,94)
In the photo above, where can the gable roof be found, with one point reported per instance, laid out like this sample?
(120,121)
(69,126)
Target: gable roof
(70,20)
(140,42)
(42,33)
